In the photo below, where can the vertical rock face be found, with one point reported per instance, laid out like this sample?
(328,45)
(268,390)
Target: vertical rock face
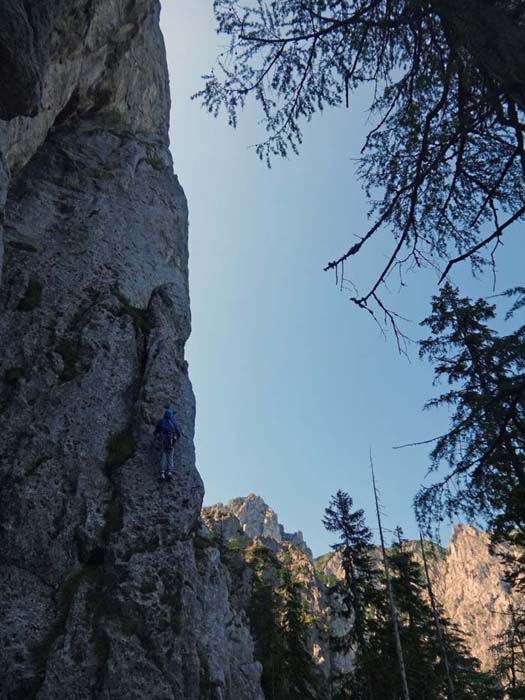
(102,594)
(469,582)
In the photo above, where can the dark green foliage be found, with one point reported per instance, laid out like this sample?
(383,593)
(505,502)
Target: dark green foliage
(120,447)
(264,614)
(69,352)
(509,651)
(257,555)
(279,626)
(32,297)
(139,316)
(359,589)
(482,457)
(269,647)
(22,247)
(328,580)
(425,676)
(483,453)
(376,674)
(234,545)
(201,544)
(321,561)
(300,682)
(444,163)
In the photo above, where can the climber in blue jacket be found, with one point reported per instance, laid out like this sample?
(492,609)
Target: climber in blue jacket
(167,432)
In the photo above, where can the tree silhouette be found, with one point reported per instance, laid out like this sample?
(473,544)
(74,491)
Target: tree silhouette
(444,164)
(359,586)
(483,453)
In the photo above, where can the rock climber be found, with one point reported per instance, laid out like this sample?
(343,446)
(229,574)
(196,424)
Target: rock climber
(167,432)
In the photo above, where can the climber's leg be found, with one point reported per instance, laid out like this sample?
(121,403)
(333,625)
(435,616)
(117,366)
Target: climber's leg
(170,454)
(163,464)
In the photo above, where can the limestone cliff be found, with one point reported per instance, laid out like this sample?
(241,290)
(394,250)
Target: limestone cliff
(103,595)
(469,582)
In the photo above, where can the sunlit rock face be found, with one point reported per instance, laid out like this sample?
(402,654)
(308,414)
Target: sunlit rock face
(257,519)
(469,582)
(104,592)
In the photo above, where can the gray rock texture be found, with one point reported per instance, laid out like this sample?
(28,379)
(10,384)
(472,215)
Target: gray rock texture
(105,593)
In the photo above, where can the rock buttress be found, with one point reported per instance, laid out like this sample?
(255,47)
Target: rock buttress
(102,593)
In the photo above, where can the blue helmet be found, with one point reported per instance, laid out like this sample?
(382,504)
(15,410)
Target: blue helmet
(168,413)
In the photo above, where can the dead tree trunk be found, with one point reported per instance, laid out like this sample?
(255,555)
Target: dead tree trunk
(393,610)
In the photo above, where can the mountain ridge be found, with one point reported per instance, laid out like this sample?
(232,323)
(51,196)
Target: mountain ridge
(468,580)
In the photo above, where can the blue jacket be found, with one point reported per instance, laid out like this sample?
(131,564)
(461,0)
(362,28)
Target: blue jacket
(168,430)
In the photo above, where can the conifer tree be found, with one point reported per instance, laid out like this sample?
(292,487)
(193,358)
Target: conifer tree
(470,682)
(424,631)
(437,622)
(359,589)
(483,453)
(509,651)
(269,647)
(264,613)
(299,674)
(394,621)
(279,624)
(426,672)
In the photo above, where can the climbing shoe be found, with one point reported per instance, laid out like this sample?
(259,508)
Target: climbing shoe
(168,476)
(163,476)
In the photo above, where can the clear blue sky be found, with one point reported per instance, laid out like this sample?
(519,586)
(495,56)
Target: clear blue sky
(293,383)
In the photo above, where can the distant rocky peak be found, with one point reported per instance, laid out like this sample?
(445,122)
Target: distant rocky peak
(467,537)
(258,519)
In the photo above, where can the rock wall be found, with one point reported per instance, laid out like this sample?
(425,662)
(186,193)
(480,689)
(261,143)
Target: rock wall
(103,595)
(469,582)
